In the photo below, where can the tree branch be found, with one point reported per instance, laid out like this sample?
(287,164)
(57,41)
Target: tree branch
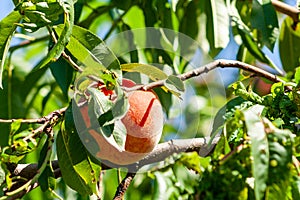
(209,67)
(160,153)
(284,8)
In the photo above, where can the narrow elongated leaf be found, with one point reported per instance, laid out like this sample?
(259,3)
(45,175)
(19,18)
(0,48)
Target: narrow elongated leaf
(259,150)
(63,74)
(289,45)
(47,178)
(90,50)
(217,26)
(2,174)
(253,47)
(296,187)
(71,177)
(76,167)
(129,37)
(281,152)
(161,185)
(151,71)
(64,37)
(7,28)
(165,99)
(30,81)
(188,24)
(264,19)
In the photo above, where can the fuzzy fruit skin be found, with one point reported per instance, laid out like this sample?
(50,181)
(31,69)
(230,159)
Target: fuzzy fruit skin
(143,122)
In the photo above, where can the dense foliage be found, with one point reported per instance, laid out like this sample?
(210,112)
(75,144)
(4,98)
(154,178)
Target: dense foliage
(50,50)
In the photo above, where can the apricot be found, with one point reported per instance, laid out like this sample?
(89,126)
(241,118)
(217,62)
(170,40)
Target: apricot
(143,122)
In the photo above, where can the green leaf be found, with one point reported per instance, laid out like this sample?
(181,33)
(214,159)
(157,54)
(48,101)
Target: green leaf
(264,19)
(101,102)
(259,150)
(252,45)
(297,76)
(228,111)
(2,174)
(188,27)
(40,14)
(151,71)
(64,37)
(165,99)
(174,85)
(7,28)
(31,80)
(77,169)
(109,121)
(162,183)
(47,178)
(14,127)
(296,187)
(281,153)
(63,74)
(192,161)
(123,4)
(90,50)
(289,45)
(164,13)
(188,24)
(129,37)
(217,26)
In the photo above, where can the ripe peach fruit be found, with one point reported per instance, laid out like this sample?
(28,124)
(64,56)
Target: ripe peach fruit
(143,122)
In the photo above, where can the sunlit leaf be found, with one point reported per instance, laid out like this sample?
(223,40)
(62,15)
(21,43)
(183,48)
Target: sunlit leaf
(161,185)
(63,38)
(259,150)
(289,45)
(7,28)
(2,174)
(191,161)
(297,76)
(14,127)
(77,170)
(217,26)
(153,72)
(90,50)
(281,152)
(174,85)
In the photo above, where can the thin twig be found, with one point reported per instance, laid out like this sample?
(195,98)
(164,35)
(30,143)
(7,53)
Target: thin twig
(42,120)
(123,186)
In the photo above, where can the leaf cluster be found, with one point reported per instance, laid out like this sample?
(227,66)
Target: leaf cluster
(257,153)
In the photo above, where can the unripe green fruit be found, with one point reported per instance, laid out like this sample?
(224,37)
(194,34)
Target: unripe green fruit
(143,122)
